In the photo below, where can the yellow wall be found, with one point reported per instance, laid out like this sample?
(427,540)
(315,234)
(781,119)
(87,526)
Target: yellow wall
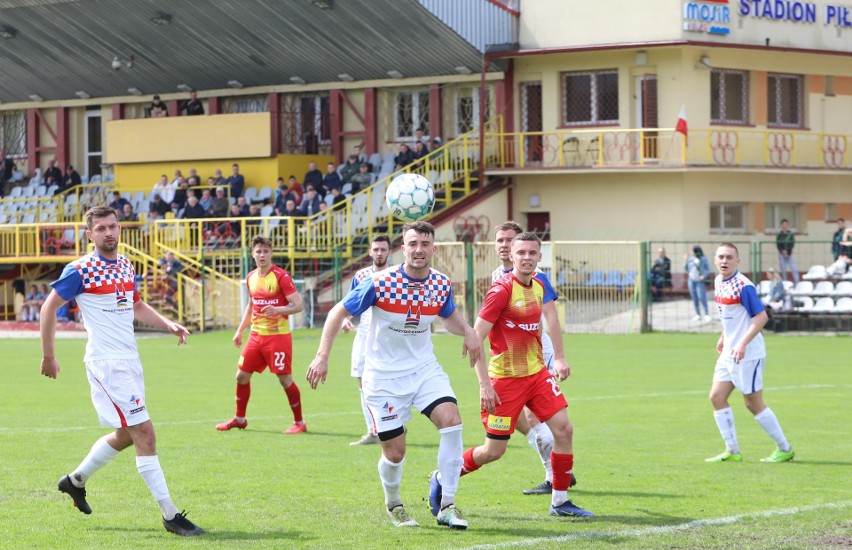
(257,172)
(185,138)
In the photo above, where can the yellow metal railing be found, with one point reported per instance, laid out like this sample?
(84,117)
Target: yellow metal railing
(630,148)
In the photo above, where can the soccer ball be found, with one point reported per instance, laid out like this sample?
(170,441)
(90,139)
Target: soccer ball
(410,197)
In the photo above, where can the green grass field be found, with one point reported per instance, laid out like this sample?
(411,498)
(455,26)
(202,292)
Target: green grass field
(643,426)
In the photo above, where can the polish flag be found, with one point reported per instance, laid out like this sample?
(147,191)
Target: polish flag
(681,126)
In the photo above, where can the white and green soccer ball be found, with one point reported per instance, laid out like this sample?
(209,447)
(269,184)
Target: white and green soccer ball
(410,197)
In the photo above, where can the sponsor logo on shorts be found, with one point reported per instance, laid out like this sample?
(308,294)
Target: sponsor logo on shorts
(387,407)
(391,417)
(135,399)
(140,409)
(499,423)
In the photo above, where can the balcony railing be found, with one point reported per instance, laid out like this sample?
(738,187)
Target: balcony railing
(663,147)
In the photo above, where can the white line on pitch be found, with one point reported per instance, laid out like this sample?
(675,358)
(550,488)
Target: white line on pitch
(601,535)
(93,426)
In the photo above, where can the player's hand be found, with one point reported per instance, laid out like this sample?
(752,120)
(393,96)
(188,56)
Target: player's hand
(238,338)
(179,331)
(472,348)
(488,398)
(49,367)
(317,372)
(272,311)
(562,369)
(738,352)
(347,326)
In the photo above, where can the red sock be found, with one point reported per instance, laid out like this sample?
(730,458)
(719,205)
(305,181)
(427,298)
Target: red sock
(469,465)
(562,466)
(243,394)
(295,397)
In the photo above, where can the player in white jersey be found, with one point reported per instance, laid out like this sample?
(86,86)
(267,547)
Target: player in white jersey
(742,358)
(538,434)
(401,370)
(104,286)
(379,253)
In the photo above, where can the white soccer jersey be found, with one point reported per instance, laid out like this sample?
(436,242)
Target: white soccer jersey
(737,301)
(106,291)
(399,340)
(549,296)
(364,321)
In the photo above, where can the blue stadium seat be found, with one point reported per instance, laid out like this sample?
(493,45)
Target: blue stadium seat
(596,278)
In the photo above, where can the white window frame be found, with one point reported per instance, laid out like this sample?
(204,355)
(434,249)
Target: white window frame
(416,116)
(12,121)
(773,213)
(723,98)
(722,207)
(317,129)
(88,153)
(474,93)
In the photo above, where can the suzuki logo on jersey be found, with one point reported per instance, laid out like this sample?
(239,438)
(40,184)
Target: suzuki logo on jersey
(509,324)
(120,295)
(529,327)
(412,320)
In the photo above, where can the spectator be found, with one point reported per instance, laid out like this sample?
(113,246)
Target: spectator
(418,138)
(349,169)
(71,179)
(193,173)
(170,267)
(179,199)
(243,205)
(219,208)
(661,274)
(178,177)
(420,153)
(159,206)
(297,189)
(7,169)
(165,189)
(778,298)
(219,179)
(235,225)
(254,214)
(331,179)
(282,193)
(698,268)
(118,201)
(127,214)
(785,241)
(405,156)
(53,175)
(362,157)
(193,209)
(32,304)
(311,203)
(236,181)
(339,198)
(206,199)
(193,107)
(313,176)
(362,180)
(290,209)
(158,109)
(844,258)
(150,220)
(837,237)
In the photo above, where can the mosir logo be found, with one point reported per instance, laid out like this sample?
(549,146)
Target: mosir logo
(709,16)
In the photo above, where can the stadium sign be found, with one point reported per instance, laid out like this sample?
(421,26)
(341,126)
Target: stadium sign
(710,16)
(714,16)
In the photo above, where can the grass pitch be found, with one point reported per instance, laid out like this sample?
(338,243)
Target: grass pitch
(643,427)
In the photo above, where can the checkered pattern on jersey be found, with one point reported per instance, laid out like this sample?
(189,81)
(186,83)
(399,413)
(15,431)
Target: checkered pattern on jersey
(99,274)
(363,273)
(395,290)
(729,292)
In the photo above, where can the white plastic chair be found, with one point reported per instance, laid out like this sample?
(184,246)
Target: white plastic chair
(843,305)
(267,210)
(843,288)
(807,303)
(823,305)
(823,288)
(250,194)
(764,288)
(95,179)
(815,273)
(803,288)
(265,193)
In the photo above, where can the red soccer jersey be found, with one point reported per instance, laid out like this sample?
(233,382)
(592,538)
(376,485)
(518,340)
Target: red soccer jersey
(515,311)
(269,290)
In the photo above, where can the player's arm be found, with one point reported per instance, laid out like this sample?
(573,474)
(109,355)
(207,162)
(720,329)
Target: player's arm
(318,369)
(244,323)
(293,307)
(488,399)
(148,315)
(47,326)
(554,330)
(472,347)
(754,306)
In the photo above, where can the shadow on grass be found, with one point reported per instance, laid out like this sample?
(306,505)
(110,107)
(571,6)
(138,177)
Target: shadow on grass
(634,494)
(820,463)
(210,536)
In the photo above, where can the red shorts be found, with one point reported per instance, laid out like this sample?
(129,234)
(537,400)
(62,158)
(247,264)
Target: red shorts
(539,392)
(275,352)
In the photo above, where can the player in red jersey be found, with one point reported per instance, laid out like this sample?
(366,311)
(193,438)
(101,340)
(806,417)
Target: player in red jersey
(272,298)
(516,376)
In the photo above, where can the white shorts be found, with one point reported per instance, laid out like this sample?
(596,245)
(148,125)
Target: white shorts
(390,400)
(118,391)
(547,351)
(358,355)
(747,376)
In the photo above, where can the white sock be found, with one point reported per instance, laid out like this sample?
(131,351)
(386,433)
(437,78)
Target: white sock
(725,421)
(450,461)
(558,497)
(368,418)
(99,456)
(769,422)
(149,469)
(391,475)
(540,439)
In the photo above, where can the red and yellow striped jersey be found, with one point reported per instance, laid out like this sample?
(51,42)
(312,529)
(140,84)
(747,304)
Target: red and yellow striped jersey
(271,289)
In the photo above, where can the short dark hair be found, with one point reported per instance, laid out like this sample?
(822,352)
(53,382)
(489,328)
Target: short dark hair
(731,245)
(97,212)
(260,240)
(527,236)
(509,226)
(424,228)
(785,220)
(380,238)
(156,97)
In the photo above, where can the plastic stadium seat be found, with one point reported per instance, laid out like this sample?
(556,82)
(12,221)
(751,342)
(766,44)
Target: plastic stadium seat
(596,278)
(803,288)
(843,305)
(764,288)
(267,210)
(28,218)
(613,278)
(848,276)
(823,305)
(52,190)
(630,277)
(265,193)
(84,178)
(806,303)
(96,179)
(823,288)
(138,197)
(376,161)
(346,189)
(815,273)
(250,194)
(843,288)
(16,192)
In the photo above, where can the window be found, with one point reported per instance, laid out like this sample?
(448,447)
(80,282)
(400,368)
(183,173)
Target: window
(727,217)
(246,104)
(781,211)
(13,133)
(729,96)
(412,114)
(784,100)
(590,98)
(314,120)
(467,108)
(93,140)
